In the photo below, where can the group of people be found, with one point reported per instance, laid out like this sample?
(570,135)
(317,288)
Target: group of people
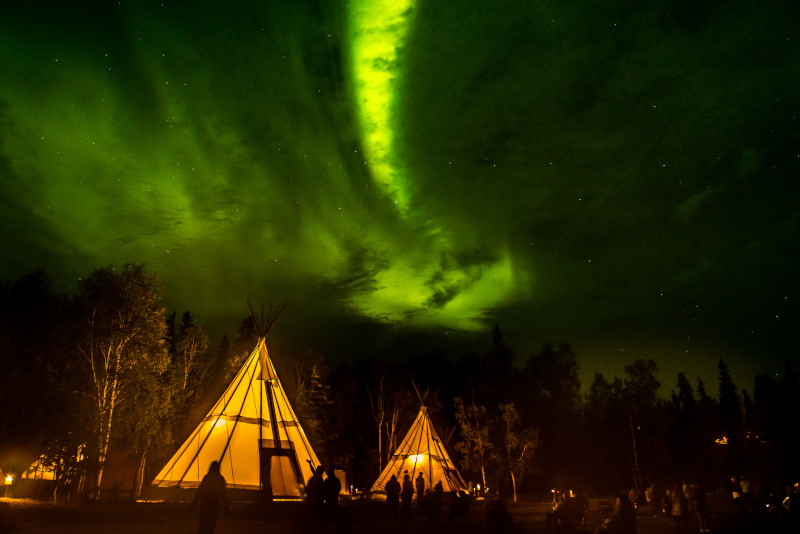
(428,501)
(680,503)
(322,495)
(568,511)
(774,504)
(622,520)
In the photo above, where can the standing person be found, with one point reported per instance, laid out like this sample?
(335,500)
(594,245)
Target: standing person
(407,496)
(680,508)
(420,483)
(210,493)
(428,507)
(701,508)
(553,520)
(622,521)
(438,500)
(331,487)
(498,520)
(314,519)
(314,498)
(392,497)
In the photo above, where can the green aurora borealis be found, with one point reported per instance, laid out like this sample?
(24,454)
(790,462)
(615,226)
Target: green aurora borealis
(404,175)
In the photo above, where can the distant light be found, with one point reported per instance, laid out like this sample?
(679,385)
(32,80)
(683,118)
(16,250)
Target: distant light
(9,479)
(722,440)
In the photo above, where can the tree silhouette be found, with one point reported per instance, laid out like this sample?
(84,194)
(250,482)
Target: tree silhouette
(120,328)
(475,427)
(730,411)
(519,444)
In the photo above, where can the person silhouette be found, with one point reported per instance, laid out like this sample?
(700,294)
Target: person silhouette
(406,496)
(392,497)
(419,482)
(314,496)
(209,495)
(331,487)
(314,518)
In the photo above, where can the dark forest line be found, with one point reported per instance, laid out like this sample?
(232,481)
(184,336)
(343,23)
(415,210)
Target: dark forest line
(106,375)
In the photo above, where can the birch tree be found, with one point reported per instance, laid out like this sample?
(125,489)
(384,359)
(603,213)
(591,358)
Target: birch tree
(192,368)
(400,411)
(476,441)
(519,444)
(121,332)
(378,406)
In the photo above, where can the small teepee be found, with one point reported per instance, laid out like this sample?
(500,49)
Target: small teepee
(252,432)
(422,451)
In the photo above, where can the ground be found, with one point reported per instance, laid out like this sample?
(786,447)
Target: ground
(122,517)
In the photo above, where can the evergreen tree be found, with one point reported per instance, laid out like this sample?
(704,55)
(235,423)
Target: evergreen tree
(684,401)
(607,426)
(29,352)
(730,412)
(313,401)
(548,392)
(247,339)
(495,371)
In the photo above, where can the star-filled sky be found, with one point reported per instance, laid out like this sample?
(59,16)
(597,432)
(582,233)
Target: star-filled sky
(404,174)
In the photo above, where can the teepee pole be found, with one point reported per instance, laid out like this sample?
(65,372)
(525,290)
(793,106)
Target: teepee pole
(208,435)
(262,331)
(415,450)
(282,419)
(268,385)
(260,434)
(430,449)
(235,422)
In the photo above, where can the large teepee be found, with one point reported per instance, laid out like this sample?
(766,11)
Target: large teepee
(240,433)
(422,451)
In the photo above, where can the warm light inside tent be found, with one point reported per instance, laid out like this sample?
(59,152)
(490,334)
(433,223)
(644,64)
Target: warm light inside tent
(219,423)
(9,479)
(416,459)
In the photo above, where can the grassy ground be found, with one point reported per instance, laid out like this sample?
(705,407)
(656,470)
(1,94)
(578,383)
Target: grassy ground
(27,516)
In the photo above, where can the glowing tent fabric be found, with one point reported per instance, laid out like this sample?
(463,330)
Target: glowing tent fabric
(422,450)
(238,433)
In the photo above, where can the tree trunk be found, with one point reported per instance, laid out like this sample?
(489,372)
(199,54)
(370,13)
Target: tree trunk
(104,439)
(380,450)
(102,453)
(514,485)
(138,482)
(483,473)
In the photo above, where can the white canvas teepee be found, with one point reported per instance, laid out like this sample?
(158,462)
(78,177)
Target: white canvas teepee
(252,432)
(422,451)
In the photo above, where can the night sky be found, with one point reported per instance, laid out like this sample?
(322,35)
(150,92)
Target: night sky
(404,174)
